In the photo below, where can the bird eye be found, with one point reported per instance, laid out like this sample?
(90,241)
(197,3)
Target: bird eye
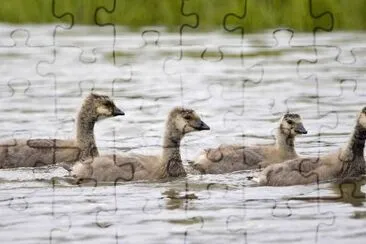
(290,122)
(108,104)
(187,116)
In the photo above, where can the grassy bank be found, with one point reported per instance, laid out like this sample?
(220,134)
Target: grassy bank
(261,14)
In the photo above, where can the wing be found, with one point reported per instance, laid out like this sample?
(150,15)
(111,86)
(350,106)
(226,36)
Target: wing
(293,172)
(51,144)
(112,168)
(37,152)
(226,159)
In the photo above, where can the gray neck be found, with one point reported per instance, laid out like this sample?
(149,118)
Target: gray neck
(85,133)
(171,159)
(355,146)
(285,143)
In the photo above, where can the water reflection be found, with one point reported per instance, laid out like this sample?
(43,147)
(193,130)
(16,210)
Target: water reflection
(176,199)
(348,191)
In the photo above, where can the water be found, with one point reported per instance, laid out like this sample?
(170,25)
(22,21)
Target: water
(240,99)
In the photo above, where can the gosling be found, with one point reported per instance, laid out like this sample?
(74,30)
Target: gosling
(40,152)
(112,168)
(230,158)
(346,163)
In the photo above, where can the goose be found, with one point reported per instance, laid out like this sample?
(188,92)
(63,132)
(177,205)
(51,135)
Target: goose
(230,158)
(40,152)
(345,163)
(111,168)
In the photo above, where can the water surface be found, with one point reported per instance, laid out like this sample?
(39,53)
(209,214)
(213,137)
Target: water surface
(239,87)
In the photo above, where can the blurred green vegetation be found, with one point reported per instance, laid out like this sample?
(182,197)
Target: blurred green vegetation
(260,14)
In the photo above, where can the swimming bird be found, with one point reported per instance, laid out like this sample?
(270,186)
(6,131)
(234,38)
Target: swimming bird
(38,152)
(112,168)
(230,158)
(345,163)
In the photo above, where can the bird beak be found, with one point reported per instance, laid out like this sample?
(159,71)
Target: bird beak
(117,112)
(203,126)
(300,129)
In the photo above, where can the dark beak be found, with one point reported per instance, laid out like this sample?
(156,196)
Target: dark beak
(202,126)
(300,129)
(117,111)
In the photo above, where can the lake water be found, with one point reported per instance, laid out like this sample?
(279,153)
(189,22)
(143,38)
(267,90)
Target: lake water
(240,88)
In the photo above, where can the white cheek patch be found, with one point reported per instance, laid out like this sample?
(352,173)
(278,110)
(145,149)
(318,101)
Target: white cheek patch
(103,111)
(180,124)
(362,120)
(285,127)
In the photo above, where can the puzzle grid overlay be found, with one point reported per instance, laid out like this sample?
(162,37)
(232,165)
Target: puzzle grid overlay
(47,60)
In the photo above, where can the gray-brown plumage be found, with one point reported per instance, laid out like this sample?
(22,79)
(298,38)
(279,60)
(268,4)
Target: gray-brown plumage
(230,158)
(347,162)
(39,152)
(112,168)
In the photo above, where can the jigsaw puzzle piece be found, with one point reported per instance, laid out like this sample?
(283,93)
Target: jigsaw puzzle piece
(36,37)
(314,210)
(242,127)
(229,93)
(57,126)
(346,94)
(341,87)
(66,69)
(106,220)
(247,224)
(123,84)
(321,59)
(14,40)
(12,140)
(192,43)
(319,17)
(190,224)
(213,49)
(349,191)
(18,204)
(270,47)
(15,206)
(279,214)
(77,15)
(61,225)
(16,87)
(127,48)
(153,206)
(23,57)
(345,88)
(244,104)
(23,205)
(111,216)
(149,37)
(148,49)
(157,206)
(60,217)
(321,129)
(15,117)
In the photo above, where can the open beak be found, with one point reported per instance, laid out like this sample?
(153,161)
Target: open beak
(117,112)
(300,129)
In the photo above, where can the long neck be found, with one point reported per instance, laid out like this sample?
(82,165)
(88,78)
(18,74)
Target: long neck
(172,162)
(285,143)
(355,146)
(85,133)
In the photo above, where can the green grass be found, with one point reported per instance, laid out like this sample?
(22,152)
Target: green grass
(261,14)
